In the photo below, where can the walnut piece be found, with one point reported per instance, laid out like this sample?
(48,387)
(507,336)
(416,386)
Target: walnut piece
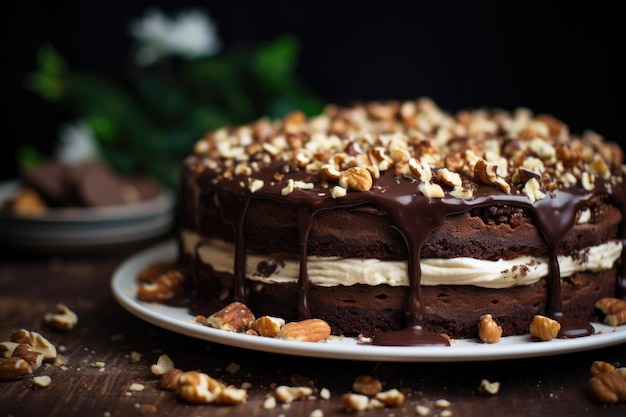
(197,387)
(64,319)
(544,328)
(338,192)
(485,172)
(42,381)
(608,387)
(153,271)
(235,317)
(287,395)
(614,310)
(231,395)
(28,202)
(391,398)
(422,410)
(169,380)
(26,352)
(164,364)
(37,342)
(431,190)
(488,329)
(161,289)
(13,368)
(449,178)
(533,191)
(487,387)
(356,178)
(600,367)
(355,402)
(269,403)
(268,326)
(367,385)
(309,330)
(7,348)
(330,172)
(136,387)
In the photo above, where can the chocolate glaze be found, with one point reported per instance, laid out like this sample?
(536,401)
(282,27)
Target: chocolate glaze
(618,196)
(621,282)
(411,214)
(233,207)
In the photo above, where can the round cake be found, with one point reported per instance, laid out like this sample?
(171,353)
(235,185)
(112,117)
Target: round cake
(401,222)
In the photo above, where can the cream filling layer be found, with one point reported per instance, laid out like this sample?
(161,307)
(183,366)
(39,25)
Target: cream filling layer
(327,271)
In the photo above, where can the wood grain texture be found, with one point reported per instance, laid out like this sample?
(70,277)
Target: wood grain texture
(31,285)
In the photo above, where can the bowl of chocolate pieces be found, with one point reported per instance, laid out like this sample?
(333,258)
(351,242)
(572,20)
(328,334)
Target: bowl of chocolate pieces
(54,204)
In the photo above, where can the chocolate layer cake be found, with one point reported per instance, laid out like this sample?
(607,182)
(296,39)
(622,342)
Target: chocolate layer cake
(399,221)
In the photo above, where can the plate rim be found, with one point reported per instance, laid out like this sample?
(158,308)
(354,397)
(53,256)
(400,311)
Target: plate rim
(178,320)
(162,203)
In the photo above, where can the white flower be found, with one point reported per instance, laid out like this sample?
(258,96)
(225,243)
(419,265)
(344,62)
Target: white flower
(77,143)
(191,34)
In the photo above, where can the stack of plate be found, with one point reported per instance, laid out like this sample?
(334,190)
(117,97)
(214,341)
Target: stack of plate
(66,228)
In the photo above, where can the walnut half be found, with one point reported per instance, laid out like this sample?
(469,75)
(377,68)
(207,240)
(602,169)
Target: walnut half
(614,310)
(608,387)
(309,330)
(488,329)
(544,328)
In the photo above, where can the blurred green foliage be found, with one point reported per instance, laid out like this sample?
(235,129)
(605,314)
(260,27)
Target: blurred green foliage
(150,128)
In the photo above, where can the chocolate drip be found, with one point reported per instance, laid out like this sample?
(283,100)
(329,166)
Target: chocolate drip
(304,220)
(233,208)
(415,230)
(621,283)
(555,215)
(618,198)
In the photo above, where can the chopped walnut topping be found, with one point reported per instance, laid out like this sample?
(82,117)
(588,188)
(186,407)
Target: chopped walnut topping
(255,184)
(533,191)
(352,147)
(338,192)
(432,190)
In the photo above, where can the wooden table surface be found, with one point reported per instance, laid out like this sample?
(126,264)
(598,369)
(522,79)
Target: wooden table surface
(33,284)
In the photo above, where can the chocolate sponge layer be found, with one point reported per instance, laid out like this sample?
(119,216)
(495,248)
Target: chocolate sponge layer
(451,310)
(492,233)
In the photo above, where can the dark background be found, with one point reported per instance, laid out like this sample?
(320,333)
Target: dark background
(552,56)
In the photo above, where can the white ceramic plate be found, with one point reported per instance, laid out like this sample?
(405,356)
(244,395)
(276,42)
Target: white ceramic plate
(73,216)
(85,227)
(178,320)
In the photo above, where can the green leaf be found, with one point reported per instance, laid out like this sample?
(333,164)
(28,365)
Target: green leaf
(206,118)
(220,82)
(103,128)
(48,79)
(164,95)
(50,61)
(117,116)
(28,156)
(275,61)
(48,87)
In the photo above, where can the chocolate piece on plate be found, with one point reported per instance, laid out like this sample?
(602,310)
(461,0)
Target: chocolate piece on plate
(143,188)
(48,180)
(97,185)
